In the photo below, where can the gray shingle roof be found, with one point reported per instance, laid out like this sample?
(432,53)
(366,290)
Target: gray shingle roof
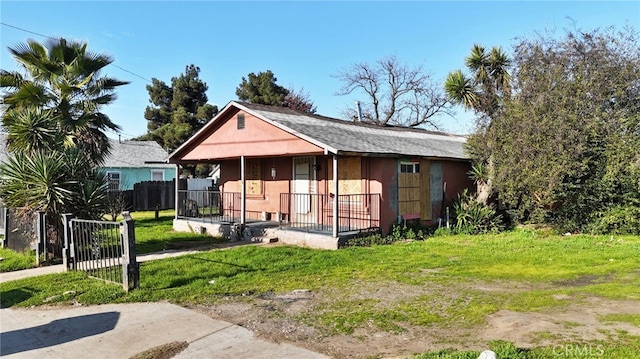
(363,138)
(134,154)
(130,154)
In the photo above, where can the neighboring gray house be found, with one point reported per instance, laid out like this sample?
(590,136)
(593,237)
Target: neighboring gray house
(130,162)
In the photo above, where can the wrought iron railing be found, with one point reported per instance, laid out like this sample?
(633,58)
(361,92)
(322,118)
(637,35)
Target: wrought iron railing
(102,249)
(209,206)
(315,212)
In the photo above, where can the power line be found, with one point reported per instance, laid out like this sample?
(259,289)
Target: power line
(53,38)
(29,31)
(132,73)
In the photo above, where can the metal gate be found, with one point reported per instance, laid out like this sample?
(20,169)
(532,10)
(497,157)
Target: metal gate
(104,250)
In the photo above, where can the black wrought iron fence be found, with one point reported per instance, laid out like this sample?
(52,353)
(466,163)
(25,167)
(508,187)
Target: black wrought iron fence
(102,249)
(209,206)
(315,212)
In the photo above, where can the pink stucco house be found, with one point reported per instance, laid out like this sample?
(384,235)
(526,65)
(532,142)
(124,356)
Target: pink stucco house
(316,179)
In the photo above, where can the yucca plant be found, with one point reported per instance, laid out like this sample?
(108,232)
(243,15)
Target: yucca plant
(54,182)
(473,217)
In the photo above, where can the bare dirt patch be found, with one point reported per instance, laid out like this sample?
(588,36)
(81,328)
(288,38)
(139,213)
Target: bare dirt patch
(280,317)
(575,322)
(166,351)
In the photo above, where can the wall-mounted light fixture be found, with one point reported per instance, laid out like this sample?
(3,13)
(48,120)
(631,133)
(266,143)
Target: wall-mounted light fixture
(273,172)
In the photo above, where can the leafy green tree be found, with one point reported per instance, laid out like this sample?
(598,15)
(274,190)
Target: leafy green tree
(567,144)
(62,79)
(177,111)
(261,89)
(394,93)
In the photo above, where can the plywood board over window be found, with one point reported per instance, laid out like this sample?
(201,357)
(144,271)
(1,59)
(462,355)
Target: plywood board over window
(409,188)
(253,177)
(349,175)
(425,189)
(414,198)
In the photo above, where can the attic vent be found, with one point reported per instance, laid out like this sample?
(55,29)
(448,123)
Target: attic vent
(240,121)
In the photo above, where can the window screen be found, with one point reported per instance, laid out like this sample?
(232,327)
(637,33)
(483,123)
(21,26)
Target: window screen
(157,175)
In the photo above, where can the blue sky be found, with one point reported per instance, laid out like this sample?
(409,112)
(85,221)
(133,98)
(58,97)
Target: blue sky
(302,42)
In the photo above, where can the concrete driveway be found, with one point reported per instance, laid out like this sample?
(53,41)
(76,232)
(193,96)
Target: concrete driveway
(116,331)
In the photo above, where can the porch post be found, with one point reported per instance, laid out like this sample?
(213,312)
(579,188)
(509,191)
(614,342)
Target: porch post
(243,193)
(177,189)
(336,220)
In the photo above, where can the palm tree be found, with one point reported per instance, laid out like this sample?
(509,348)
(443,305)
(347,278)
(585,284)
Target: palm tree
(56,131)
(63,79)
(484,93)
(489,82)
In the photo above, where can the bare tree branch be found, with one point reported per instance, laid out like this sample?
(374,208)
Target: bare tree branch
(395,94)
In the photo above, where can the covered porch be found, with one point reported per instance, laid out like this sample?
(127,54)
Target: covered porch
(301,211)
(294,199)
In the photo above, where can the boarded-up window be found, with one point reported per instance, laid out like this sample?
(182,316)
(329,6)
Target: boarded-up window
(253,177)
(409,189)
(349,175)
(425,189)
(414,199)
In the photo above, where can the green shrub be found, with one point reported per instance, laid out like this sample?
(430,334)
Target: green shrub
(368,241)
(411,231)
(399,232)
(617,220)
(473,217)
(443,231)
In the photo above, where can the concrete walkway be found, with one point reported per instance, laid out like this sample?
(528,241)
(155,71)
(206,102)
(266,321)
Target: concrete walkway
(59,268)
(116,331)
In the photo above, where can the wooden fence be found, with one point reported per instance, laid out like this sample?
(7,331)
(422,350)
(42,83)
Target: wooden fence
(149,196)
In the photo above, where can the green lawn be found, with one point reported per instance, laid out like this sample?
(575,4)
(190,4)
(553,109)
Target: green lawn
(12,260)
(157,234)
(152,235)
(535,270)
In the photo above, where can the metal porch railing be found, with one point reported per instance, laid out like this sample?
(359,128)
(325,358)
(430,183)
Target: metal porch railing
(209,206)
(314,212)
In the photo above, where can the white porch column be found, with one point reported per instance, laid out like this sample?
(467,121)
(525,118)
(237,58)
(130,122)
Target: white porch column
(243,192)
(177,186)
(336,220)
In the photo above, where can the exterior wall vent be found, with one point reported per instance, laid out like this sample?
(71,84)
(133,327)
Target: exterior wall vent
(240,121)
